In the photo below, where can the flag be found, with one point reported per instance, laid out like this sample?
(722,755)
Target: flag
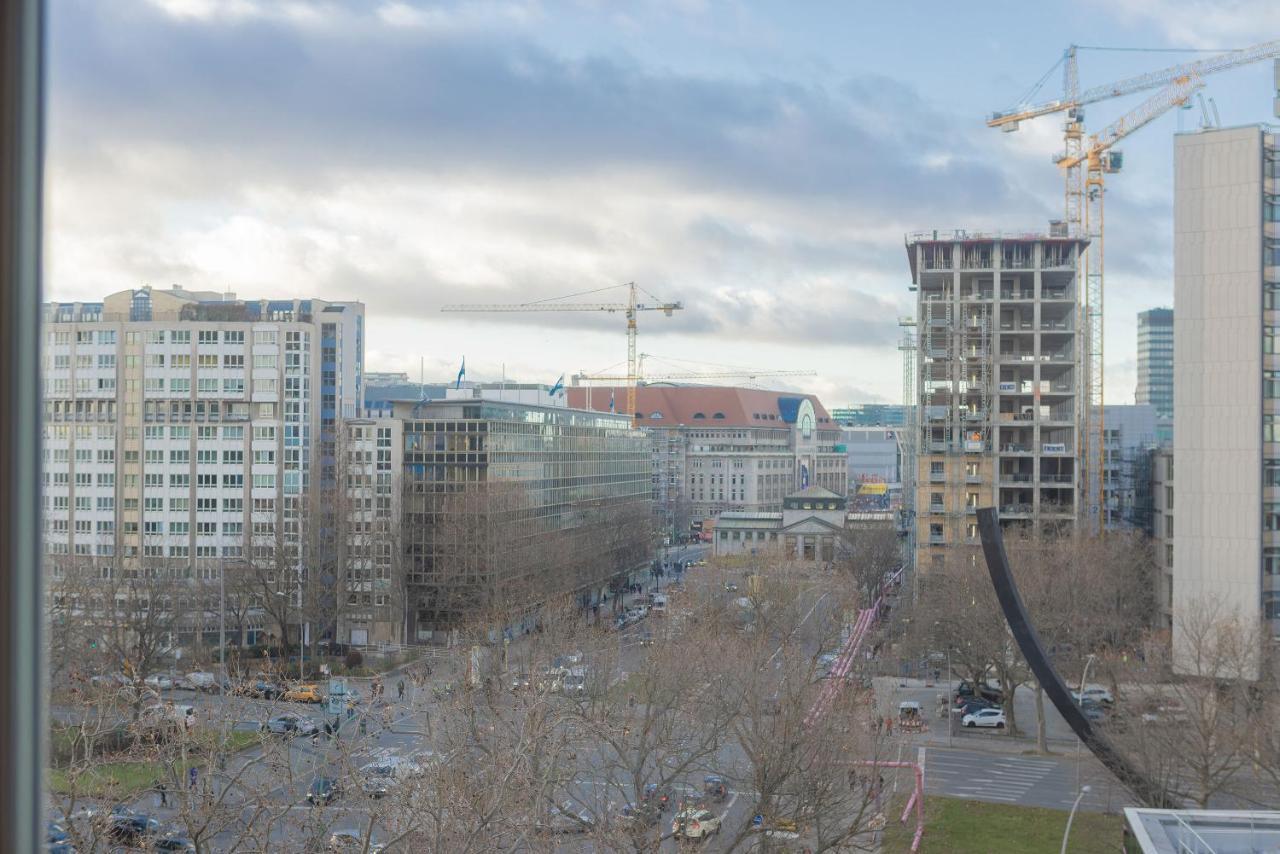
(558,387)
(462,372)
(611,402)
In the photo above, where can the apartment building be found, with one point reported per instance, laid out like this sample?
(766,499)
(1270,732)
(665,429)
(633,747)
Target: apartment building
(184,429)
(719,448)
(1226,369)
(507,503)
(370,542)
(997,383)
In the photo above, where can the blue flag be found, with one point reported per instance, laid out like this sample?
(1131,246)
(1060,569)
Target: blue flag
(558,387)
(462,372)
(611,403)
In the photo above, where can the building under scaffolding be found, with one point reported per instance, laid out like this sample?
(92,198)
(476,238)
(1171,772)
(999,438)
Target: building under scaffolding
(996,384)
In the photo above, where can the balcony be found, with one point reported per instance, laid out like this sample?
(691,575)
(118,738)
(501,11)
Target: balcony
(937,477)
(937,539)
(1057,479)
(1053,508)
(936,510)
(1015,510)
(1056,294)
(1015,448)
(1026,294)
(1015,477)
(973,478)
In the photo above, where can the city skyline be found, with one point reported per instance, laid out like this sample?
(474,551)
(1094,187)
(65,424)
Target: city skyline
(658,137)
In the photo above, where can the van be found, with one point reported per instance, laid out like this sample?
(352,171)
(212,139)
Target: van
(659,603)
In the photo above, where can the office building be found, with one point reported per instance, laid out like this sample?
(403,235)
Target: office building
(875,461)
(719,448)
(1130,434)
(506,504)
(870,415)
(184,429)
(1155,368)
(1226,371)
(997,381)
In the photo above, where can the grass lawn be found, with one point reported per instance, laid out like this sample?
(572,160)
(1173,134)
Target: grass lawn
(973,827)
(122,780)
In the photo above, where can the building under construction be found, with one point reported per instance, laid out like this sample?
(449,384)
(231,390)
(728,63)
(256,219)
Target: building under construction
(996,382)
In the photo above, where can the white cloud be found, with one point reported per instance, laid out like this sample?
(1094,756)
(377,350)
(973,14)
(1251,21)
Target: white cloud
(1200,23)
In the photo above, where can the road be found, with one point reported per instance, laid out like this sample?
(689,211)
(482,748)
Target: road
(1010,778)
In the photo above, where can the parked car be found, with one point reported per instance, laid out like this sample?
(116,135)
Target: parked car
(695,824)
(574,682)
(646,639)
(992,717)
(262,688)
(731,587)
(130,828)
(302,694)
(159,682)
(643,815)
(975,704)
(1096,693)
(984,692)
(207,682)
(291,724)
(656,796)
(352,840)
(175,841)
(1093,712)
(379,777)
(324,790)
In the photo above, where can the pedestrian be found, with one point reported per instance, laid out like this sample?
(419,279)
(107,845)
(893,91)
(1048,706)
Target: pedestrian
(162,794)
(192,775)
(328,730)
(351,712)
(400,688)
(428,669)
(364,725)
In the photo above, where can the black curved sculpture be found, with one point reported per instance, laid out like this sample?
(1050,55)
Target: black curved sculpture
(1024,633)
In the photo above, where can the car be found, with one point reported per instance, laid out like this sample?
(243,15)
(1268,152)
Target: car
(352,840)
(175,841)
(656,796)
(575,682)
(159,682)
(695,823)
(991,717)
(1096,693)
(182,683)
(379,777)
(302,694)
(549,678)
(973,705)
(261,688)
(646,639)
(520,681)
(642,815)
(567,818)
(983,692)
(731,587)
(568,659)
(130,828)
(207,682)
(291,724)
(1093,712)
(323,790)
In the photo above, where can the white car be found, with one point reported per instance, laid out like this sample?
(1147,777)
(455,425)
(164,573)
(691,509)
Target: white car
(1094,693)
(985,717)
(159,682)
(695,824)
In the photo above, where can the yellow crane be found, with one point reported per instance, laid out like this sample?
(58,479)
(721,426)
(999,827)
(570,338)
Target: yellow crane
(1085,163)
(630,308)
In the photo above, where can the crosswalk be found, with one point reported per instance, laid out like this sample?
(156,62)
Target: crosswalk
(1005,778)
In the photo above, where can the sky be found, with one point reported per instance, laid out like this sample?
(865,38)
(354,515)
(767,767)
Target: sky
(760,162)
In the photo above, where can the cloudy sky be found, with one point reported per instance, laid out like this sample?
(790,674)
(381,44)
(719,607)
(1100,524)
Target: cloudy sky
(759,161)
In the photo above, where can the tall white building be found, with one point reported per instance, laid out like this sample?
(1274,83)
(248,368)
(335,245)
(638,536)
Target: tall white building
(1226,542)
(183,428)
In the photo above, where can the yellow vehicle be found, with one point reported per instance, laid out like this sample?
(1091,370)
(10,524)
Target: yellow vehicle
(303,694)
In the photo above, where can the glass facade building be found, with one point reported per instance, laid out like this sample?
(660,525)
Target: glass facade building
(509,504)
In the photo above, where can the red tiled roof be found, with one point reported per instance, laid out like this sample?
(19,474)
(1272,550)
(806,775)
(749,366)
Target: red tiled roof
(715,406)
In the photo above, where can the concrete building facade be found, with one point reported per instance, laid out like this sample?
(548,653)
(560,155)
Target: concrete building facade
(184,430)
(997,381)
(716,448)
(1226,374)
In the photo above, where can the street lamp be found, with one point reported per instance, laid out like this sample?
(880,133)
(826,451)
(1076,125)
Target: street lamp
(1084,790)
(1080,702)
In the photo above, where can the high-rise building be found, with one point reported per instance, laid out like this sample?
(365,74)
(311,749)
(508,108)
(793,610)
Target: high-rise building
(997,382)
(184,429)
(507,503)
(718,448)
(1226,368)
(1155,367)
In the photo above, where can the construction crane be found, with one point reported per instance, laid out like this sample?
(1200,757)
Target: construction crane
(630,308)
(728,373)
(1084,163)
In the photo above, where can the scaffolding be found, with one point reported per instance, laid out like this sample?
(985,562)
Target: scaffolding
(908,442)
